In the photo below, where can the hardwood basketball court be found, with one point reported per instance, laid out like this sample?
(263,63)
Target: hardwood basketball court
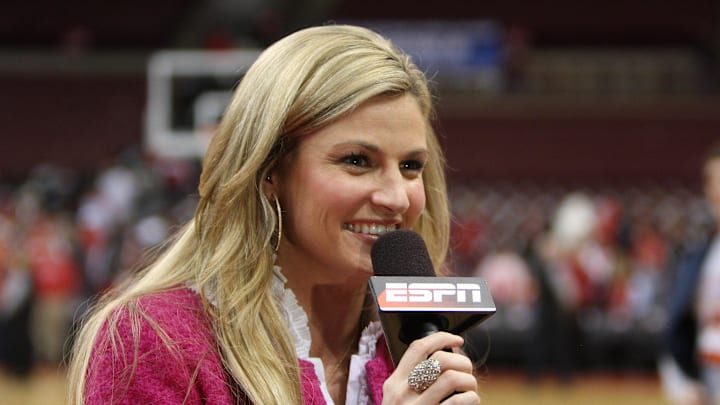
(47,387)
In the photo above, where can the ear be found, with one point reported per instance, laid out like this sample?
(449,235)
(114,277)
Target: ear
(269,186)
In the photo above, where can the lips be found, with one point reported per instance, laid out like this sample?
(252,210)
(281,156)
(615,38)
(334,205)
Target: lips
(371,228)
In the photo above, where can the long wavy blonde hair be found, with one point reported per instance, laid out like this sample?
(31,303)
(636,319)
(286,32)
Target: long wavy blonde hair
(298,85)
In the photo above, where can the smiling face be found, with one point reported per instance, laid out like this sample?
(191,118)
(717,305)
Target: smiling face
(348,183)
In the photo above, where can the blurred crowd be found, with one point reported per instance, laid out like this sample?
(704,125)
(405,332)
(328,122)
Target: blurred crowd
(581,276)
(568,268)
(65,237)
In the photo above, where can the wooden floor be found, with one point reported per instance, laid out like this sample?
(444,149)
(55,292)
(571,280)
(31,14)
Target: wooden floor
(47,387)
(513,389)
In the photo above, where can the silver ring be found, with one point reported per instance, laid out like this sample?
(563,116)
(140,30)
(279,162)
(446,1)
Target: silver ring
(424,375)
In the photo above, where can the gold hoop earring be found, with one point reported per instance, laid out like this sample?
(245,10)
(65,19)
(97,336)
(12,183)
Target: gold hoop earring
(279,223)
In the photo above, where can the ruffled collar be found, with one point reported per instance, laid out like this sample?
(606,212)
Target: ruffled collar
(295,316)
(297,321)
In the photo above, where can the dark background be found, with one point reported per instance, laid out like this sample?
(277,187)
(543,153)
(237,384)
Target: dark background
(72,80)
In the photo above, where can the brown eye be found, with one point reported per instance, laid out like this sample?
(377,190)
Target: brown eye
(412,165)
(356,160)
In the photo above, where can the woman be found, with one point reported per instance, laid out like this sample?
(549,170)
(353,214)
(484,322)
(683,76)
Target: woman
(261,299)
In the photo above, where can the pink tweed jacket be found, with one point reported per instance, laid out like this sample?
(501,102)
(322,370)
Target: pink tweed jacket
(191,372)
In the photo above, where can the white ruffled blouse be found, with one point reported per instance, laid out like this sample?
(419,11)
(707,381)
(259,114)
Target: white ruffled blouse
(297,320)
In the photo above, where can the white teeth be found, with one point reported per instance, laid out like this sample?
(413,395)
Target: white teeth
(370,229)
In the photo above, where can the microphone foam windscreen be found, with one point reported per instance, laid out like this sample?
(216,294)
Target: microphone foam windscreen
(401,253)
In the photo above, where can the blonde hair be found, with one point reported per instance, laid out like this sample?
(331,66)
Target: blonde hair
(298,85)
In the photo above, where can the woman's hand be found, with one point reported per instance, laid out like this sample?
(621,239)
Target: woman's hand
(455,385)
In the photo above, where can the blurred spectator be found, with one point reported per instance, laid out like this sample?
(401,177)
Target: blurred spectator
(51,250)
(15,301)
(467,231)
(561,266)
(691,373)
(103,211)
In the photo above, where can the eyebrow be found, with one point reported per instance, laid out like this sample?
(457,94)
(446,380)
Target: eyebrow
(376,149)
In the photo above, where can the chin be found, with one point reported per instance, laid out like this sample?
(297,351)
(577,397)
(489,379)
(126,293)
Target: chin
(367,272)
(364,271)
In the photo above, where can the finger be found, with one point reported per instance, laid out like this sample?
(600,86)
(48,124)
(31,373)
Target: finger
(450,382)
(463,398)
(453,361)
(421,349)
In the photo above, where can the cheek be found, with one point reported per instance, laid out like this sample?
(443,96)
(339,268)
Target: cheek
(416,196)
(322,195)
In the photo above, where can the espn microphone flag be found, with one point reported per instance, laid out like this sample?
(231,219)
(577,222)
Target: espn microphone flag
(412,302)
(432,293)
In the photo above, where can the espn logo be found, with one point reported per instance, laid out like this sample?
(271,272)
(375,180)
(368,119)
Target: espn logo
(432,292)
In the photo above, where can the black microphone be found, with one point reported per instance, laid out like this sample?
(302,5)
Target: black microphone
(412,302)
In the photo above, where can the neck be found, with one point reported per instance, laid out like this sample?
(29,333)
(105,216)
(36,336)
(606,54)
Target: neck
(333,303)
(334,317)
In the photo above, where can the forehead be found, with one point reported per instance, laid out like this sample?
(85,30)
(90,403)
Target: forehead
(394,121)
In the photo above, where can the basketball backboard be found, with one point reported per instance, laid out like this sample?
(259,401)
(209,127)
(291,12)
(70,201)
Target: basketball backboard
(188,92)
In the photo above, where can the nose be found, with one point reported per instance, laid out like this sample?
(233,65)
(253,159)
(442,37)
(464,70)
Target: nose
(391,193)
